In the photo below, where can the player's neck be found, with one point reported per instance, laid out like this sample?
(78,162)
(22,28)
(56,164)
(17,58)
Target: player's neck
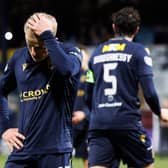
(129,38)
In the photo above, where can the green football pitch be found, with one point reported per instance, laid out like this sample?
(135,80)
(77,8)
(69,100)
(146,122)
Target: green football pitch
(160,162)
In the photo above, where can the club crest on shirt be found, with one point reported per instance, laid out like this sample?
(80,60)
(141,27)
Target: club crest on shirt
(143,138)
(24,66)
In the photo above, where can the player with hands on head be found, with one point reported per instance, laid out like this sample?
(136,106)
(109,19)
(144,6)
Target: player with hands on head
(116,69)
(46,74)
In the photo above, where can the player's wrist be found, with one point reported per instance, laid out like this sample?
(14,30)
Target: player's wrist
(47,34)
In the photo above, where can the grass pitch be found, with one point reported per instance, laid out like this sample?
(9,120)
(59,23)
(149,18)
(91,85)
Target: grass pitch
(160,162)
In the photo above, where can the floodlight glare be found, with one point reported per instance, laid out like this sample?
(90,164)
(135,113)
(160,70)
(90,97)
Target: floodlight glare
(8,35)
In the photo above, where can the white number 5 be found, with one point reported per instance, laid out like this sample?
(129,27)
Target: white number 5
(110,78)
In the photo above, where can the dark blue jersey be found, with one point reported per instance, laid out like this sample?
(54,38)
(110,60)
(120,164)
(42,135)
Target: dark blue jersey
(115,71)
(47,91)
(80,104)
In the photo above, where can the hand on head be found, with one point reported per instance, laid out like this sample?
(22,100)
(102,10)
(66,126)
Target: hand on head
(40,22)
(33,28)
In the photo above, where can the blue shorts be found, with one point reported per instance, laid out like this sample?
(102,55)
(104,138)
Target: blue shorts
(80,143)
(108,147)
(40,161)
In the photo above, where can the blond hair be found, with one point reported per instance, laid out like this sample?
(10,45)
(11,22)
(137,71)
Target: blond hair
(30,36)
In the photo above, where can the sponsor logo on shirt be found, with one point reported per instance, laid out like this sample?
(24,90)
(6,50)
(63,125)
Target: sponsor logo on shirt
(148,60)
(115,104)
(34,94)
(114,47)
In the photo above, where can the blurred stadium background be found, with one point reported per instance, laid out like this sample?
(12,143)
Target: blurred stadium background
(88,22)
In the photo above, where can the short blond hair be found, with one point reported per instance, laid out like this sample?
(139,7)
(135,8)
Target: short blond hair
(30,37)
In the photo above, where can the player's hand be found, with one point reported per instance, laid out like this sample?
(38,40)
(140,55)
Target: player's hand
(78,116)
(164,115)
(13,138)
(38,23)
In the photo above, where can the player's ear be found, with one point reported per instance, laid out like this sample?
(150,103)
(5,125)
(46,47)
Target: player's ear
(113,27)
(136,30)
(31,50)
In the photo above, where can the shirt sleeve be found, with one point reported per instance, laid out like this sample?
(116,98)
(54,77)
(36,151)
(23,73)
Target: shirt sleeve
(67,59)
(150,94)
(7,84)
(4,115)
(143,62)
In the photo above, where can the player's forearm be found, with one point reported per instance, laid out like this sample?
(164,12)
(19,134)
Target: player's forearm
(153,102)
(150,94)
(66,63)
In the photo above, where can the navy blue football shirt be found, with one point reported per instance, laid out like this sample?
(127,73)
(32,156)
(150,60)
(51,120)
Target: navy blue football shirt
(115,70)
(47,90)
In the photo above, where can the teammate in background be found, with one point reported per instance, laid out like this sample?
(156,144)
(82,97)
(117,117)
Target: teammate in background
(46,74)
(81,115)
(116,68)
